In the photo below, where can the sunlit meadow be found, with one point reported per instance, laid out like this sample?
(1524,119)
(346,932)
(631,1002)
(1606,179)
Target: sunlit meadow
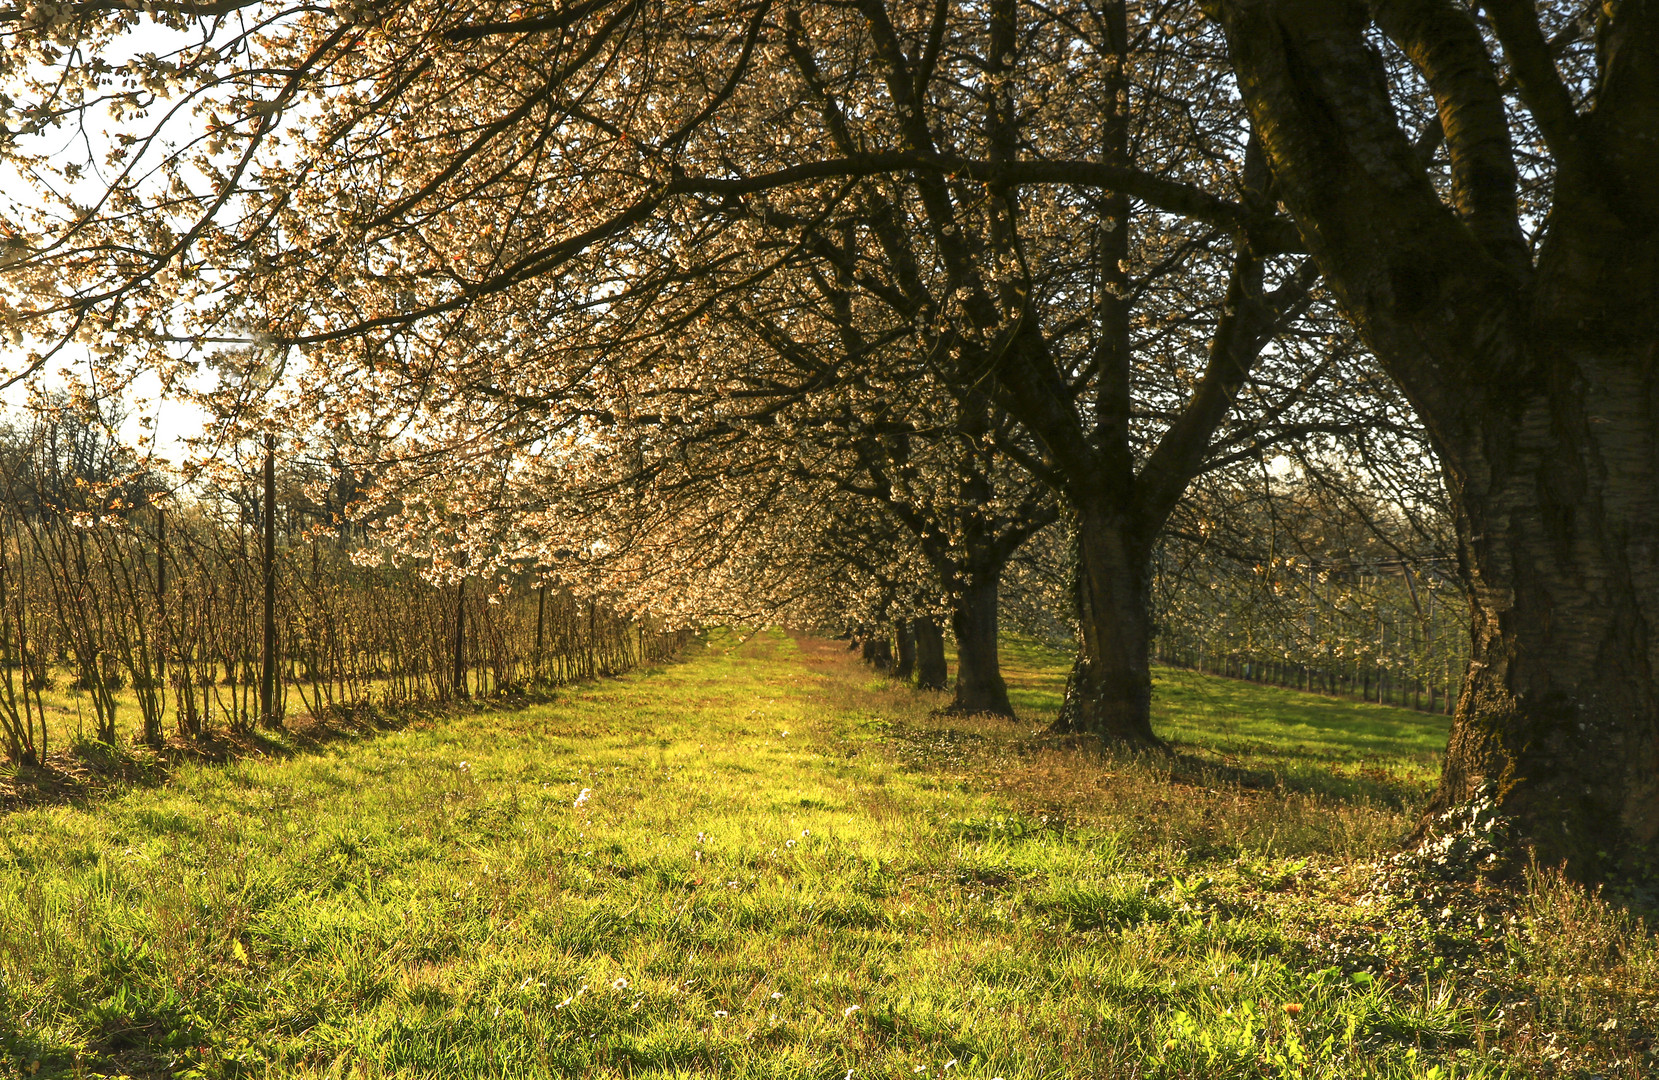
(768,861)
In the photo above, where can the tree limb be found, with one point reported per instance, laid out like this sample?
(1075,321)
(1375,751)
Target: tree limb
(1443,42)
(1530,59)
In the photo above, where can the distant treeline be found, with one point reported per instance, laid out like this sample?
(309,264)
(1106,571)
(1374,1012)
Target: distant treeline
(1394,635)
(1319,583)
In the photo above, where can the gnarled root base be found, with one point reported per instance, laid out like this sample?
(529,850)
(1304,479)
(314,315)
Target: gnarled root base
(1119,715)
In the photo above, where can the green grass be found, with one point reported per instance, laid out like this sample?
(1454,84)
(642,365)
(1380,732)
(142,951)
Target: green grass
(71,720)
(70,716)
(1358,751)
(786,867)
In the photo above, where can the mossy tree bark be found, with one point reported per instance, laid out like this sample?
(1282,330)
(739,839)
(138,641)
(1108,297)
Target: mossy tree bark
(1109,692)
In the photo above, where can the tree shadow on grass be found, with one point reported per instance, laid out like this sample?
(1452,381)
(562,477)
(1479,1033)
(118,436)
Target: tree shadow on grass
(1298,771)
(87,770)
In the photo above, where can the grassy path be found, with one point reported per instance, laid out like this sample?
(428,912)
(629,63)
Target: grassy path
(760,862)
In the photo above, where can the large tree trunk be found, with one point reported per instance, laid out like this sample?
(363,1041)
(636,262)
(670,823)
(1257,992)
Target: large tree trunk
(1109,693)
(1559,519)
(931,673)
(979,685)
(1533,370)
(1557,495)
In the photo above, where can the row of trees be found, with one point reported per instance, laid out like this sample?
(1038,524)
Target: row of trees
(888,378)
(654,272)
(228,609)
(1303,579)
(730,327)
